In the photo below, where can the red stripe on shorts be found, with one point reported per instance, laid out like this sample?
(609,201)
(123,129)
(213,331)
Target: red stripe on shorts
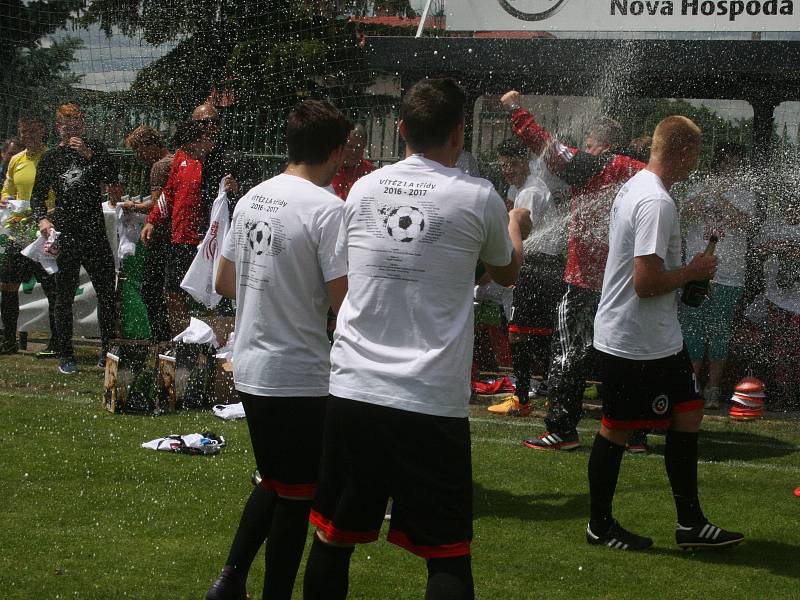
(290,490)
(640,424)
(340,536)
(442,551)
(512,328)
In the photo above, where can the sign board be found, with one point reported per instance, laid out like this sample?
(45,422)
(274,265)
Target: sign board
(622,15)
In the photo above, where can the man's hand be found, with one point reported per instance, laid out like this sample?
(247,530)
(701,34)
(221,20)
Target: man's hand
(510,100)
(702,267)
(44,227)
(147,233)
(128,206)
(230,185)
(80,147)
(4,202)
(522,218)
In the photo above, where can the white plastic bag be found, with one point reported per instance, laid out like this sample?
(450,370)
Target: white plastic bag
(198,332)
(199,279)
(36,251)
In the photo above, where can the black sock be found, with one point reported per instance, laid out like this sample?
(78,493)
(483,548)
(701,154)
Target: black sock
(253,529)
(285,544)
(680,459)
(522,361)
(450,579)
(604,464)
(9,310)
(327,572)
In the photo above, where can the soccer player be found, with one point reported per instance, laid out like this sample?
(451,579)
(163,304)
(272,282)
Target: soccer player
(278,261)
(149,148)
(595,173)
(541,279)
(77,170)
(397,421)
(181,204)
(647,375)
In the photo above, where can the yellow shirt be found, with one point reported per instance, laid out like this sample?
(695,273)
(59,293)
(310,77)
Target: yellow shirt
(20,177)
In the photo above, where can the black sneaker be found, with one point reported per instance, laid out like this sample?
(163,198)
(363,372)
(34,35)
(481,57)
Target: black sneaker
(618,538)
(553,441)
(228,586)
(706,535)
(8,347)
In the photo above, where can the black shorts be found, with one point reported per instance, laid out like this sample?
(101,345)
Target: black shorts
(644,394)
(178,263)
(16,268)
(539,288)
(287,441)
(373,453)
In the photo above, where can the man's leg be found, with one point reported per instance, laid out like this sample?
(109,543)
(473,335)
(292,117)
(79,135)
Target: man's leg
(9,311)
(99,264)
(66,283)
(327,570)
(153,289)
(285,544)
(522,359)
(450,579)
(566,379)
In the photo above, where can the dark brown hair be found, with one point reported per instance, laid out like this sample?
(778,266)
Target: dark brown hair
(314,129)
(430,111)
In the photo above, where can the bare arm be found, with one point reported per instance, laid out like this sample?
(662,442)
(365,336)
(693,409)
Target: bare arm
(519,226)
(225,284)
(650,279)
(337,289)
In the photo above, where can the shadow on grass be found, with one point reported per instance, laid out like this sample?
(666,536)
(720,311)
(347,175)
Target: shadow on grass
(734,445)
(776,557)
(556,506)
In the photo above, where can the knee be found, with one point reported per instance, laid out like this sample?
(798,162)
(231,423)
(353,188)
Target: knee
(687,422)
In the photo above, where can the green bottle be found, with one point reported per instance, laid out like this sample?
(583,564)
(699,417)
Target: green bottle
(695,292)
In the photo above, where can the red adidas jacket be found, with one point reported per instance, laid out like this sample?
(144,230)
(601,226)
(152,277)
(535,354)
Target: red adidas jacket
(345,177)
(595,182)
(181,200)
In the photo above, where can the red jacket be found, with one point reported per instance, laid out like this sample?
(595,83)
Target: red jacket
(347,176)
(595,181)
(181,200)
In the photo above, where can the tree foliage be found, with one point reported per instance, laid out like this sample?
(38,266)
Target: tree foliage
(266,53)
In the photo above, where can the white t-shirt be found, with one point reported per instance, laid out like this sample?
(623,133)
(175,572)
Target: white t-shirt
(549,218)
(732,247)
(283,241)
(644,221)
(413,233)
(783,289)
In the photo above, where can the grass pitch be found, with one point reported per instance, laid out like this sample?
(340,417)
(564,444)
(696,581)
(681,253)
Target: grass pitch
(89,514)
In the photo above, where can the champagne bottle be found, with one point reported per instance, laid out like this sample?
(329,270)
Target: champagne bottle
(695,292)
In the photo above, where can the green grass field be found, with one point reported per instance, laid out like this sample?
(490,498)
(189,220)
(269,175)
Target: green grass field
(88,514)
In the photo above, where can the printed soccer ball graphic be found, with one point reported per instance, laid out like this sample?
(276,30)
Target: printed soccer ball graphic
(259,237)
(405,223)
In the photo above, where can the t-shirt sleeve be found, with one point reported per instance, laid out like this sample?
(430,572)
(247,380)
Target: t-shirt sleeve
(497,248)
(653,227)
(332,262)
(229,243)
(534,199)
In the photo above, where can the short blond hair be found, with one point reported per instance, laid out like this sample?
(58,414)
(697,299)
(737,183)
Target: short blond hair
(672,135)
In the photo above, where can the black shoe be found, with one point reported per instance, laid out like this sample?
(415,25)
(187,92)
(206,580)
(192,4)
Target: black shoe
(554,441)
(228,586)
(706,535)
(618,538)
(8,347)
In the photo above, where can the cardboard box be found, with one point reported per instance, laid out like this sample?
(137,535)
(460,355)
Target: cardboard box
(128,382)
(224,392)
